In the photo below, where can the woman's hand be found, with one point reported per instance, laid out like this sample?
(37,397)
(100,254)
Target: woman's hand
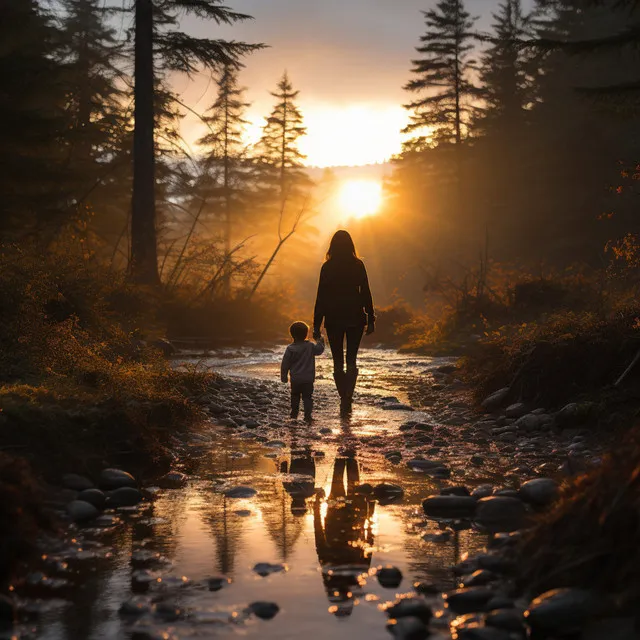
(371,327)
(317,335)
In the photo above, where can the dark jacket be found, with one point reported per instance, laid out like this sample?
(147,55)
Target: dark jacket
(343,295)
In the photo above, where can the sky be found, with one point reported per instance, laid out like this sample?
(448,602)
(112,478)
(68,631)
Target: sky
(348,58)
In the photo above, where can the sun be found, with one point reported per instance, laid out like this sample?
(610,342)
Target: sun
(360,198)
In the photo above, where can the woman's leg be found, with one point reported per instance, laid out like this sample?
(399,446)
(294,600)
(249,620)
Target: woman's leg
(336,342)
(354,338)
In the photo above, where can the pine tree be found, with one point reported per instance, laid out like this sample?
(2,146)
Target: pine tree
(443,75)
(157,32)
(506,72)
(280,160)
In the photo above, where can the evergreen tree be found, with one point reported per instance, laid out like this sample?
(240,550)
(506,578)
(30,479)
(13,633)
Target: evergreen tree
(32,125)
(506,72)
(157,32)
(443,75)
(281,172)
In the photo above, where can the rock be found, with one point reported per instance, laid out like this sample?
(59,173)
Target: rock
(507,493)
(168,611)
(124,497)
(437,536)
(251,424)
(509,619)
(477,460)
(528,423)
(386,492)
(81,511)
(500,513)
(408,628)
(215,583)
(449,506)
(76,482)
(562,611)
(516,410)
(539,492)
(410,608)
(116,478)
(265,569)
(482,491)
(264,610)
(397,406)
(173,480)
(496,399)
(389,577)
(431,467)
(455,491)
(427,588)
(364,489)
(480,578)
(240,492)
(135,607)
(468,600)
(94,497)
(478,631)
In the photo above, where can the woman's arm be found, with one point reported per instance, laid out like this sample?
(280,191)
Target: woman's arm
(320,308)
(367,299)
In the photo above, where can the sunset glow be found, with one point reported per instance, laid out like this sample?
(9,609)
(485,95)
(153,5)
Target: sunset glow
(360,198)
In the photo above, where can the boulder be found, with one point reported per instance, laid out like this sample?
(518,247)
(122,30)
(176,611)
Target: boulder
(562,611)
(81,511)
(116,478)
(500,513)
(496,399)
(539,492)
(449,506)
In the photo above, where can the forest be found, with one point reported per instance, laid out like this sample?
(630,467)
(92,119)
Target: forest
(502,232)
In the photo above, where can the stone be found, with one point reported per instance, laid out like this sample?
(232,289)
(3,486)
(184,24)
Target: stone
(94,497)
(173,480)
(510,619)
(477,460)
(264,610)
(389,577)
(124,497)
(215,583)
(516,410)
(455,491)
(386,493)
(265,569)
(364,489)
(397,406)
(500,513)
(76,482)
(539,492)
(408,628)
(478,631)
(449,506)
(482,491)
(468,600)
(496,399)
(431,467)
(116,478)
(479,578)
(81,511)
(437,536)
(168,611)
(135,607)
(562,611)
(240,492)
(528,423)
(410,607)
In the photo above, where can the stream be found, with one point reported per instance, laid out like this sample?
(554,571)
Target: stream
(304,532)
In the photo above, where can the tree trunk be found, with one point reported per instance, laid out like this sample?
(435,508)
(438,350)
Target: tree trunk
(144,252)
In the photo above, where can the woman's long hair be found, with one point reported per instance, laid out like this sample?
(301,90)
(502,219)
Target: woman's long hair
(342,247)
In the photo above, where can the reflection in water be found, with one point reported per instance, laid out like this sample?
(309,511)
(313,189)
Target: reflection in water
(343,534)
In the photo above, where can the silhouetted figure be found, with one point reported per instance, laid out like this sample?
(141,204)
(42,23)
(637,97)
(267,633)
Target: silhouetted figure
(342,539)
(299,363)
(303,487)
(345,304)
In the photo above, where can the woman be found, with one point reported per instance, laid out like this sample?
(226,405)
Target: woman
(345,304)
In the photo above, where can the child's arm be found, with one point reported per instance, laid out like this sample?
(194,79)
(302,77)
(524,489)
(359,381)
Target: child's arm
(318,347)
(285,366)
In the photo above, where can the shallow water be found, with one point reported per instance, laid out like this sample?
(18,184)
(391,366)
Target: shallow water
(306,514)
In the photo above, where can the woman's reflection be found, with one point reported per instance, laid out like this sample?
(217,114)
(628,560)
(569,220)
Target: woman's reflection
(345,535)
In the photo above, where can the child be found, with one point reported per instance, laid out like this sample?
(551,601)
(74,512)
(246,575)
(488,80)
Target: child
(299,360)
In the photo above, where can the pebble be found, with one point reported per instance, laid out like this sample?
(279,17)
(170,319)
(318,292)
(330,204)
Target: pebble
(539,492)
(437,536)
(124,497)
(265,569)
(389,577)
(478,631)
(455,491)
(479,578)
(500,513)
(264,610)
(215,583)
(408,629)
(562,611)
(516,410)
(173,480)
(509,619)
(410,607)
(496,399)
(240,492)
(386,492)
(81,511)
(94,497)
(482,491)
(364,489)
(76,482)
(135,607)
(116,478)
(477,460)
(450,506)
(468,600)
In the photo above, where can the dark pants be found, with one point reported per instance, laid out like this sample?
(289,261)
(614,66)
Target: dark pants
(304,390)
(337,337)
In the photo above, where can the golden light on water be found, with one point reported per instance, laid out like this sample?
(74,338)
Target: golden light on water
(360,198)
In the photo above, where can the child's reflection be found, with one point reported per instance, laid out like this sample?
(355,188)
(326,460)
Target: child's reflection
(344,536)
(302,487)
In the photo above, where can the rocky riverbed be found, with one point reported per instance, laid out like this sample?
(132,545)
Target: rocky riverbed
(398,520)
